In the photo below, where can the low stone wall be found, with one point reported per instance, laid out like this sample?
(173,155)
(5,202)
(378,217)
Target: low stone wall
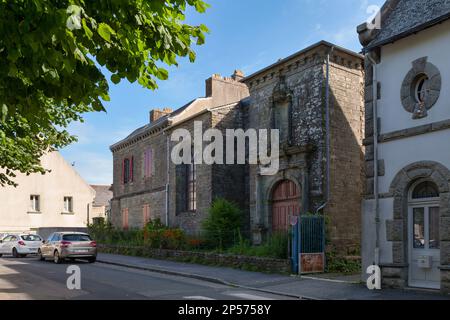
(226,260)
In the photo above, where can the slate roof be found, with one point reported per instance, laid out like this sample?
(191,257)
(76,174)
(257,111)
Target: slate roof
(161,122)
(103,194)
(408,17)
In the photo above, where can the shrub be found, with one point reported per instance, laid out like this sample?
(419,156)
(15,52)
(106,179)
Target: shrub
(222,225)
(276,246)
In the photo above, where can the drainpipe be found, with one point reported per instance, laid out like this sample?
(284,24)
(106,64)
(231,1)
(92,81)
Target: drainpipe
(375,157)
(327,131)
(167,177)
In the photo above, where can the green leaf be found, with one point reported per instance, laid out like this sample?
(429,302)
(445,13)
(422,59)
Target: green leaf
(86,29)
(115,78)
(4,112)
(105,31)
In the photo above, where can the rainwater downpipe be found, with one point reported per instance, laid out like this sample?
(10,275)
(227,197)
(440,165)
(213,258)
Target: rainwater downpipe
(327,131)
(167,176)
(375,159)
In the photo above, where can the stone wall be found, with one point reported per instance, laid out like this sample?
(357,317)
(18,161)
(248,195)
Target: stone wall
(300,80)
(142,190)
(190,222)
(347,153)
(233,261)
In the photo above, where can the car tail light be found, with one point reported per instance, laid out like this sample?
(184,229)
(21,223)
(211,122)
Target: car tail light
(93,244)
(21,243)
(65,244)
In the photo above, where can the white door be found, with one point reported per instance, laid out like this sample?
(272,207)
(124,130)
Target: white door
(423,234)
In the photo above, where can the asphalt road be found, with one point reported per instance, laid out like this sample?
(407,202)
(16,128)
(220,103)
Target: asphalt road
(29,278)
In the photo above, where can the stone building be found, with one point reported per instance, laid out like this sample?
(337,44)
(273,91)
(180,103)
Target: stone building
(147,185)
(293,95)
(101,205)
(406,211)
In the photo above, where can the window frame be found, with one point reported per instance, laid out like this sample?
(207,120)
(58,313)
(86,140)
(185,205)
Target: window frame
(35,199)
(191,186)
(70,207)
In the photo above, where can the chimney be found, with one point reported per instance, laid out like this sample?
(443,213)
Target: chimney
(226,90)
(155,114)
(238,75)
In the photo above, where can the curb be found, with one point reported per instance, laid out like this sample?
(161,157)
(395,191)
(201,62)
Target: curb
(204,278)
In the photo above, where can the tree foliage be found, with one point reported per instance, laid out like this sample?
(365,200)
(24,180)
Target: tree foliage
(49,56)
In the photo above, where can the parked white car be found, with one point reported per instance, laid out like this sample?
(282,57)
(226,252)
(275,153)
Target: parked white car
(20,245)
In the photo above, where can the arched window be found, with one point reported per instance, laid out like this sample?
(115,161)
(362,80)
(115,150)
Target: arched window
(425,190)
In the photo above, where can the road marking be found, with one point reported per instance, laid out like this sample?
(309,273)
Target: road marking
(247,296)
(198,298)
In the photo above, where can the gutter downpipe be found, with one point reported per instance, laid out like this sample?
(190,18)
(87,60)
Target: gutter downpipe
(327,129)
(167,176)
(375,157)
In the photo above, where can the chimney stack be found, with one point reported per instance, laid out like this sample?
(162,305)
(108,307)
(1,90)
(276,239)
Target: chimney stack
(155,114)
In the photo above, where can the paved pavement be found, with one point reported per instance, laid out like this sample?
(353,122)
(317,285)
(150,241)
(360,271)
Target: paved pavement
(338,288)
(29,278)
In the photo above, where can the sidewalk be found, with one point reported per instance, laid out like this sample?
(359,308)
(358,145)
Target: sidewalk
(307,287)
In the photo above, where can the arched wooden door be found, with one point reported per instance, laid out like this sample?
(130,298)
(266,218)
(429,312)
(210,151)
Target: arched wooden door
(285,203)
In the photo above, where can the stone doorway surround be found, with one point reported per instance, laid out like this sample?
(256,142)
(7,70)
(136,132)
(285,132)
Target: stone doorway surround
(294,167)
(396,274)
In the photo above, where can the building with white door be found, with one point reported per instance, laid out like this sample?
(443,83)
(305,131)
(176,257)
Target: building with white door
(58,200)
(406,210)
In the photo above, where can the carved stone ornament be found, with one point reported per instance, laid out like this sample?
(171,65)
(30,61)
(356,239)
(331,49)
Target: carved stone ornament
(421,88)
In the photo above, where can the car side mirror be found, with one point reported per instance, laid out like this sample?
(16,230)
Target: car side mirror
(44,241)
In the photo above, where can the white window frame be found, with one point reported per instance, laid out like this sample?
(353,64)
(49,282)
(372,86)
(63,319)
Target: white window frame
(69,207)
(35,203)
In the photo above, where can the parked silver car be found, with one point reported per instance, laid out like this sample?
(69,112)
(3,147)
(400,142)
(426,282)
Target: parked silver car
(68,245)
(19,245)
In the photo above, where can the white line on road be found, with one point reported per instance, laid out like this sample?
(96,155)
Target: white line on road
(198,298)
(247,296)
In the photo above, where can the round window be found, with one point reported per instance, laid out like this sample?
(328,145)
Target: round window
(421,88)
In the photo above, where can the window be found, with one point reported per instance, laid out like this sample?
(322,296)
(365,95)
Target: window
(186,187)
(76,237)
(191,187)
(127,170)
(35,205)
(148,163)
(31,237)
(68,204)
(425,190)
(146,213)
(420,87)
(125,219)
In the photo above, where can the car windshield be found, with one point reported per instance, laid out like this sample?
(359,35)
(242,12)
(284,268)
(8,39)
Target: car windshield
(76,237)
(31,237)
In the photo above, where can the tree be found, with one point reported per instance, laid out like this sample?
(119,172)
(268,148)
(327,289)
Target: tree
(49,56)
(223,223)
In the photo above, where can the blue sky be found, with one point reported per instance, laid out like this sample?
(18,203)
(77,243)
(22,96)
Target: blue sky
(246,35)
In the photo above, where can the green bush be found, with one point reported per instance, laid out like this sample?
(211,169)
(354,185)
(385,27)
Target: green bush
(276,246)
(222,225)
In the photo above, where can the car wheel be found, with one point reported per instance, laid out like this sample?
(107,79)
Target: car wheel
(92,260)
(41,257)
(56,258)
(14,253)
